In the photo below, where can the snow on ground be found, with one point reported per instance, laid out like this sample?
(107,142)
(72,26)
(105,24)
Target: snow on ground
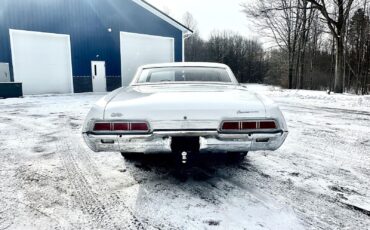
(319,179)
(315,98)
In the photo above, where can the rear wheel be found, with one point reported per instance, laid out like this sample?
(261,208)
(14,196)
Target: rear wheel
(131,156)
(236,156)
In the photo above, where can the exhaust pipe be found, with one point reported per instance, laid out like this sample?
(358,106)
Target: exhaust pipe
(184,157)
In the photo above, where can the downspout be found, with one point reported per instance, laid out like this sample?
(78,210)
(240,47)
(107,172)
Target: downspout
(184,37)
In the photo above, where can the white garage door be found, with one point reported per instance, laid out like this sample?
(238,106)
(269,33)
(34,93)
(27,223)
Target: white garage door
(42,62)
(140,49)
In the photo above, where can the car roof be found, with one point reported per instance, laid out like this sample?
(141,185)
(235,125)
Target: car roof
(185,64)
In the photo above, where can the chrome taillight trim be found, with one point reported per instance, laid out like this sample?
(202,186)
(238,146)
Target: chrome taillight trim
(240,130)
(129,122)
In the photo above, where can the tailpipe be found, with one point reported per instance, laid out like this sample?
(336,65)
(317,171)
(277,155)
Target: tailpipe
(184,157)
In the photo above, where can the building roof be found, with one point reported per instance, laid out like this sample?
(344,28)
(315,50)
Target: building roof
(185,64)
(163,15)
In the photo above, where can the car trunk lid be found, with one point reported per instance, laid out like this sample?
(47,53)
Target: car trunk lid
(186,106)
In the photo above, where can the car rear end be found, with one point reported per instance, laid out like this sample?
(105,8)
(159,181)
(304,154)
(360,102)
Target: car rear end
(145,133)
(232,136)
(200,107)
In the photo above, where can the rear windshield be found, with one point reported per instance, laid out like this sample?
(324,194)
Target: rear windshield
(184,74)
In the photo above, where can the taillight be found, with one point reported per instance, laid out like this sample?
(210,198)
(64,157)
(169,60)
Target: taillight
(142,126)
(248,125)
(121,127)
(267,125)
(230,125)
(102,127)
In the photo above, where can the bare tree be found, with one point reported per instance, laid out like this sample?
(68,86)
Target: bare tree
(304,56)
(245,57)
(307,18)
(314,45)
(194,45)
(189,21)
(280,20)
(358,51)
(336,16)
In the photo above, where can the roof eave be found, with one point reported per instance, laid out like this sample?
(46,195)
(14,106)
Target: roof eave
(146,5)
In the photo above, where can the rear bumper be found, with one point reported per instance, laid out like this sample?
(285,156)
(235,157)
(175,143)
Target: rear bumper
(210,141)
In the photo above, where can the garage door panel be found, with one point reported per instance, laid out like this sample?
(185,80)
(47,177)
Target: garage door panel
(140,49)
(42,62)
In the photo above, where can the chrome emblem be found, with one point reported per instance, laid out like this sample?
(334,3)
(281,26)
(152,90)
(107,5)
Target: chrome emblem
(242,112)
(116,115)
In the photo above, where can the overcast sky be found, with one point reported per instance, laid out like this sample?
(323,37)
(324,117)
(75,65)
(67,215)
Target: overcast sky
(210,14)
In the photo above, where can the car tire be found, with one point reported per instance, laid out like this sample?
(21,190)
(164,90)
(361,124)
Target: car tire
(236,156)
(130,156)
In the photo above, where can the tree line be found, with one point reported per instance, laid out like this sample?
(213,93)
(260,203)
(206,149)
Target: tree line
(244,56)
(318,44)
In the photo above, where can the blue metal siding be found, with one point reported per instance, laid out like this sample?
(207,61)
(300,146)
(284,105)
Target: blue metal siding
(87,23)
(83,84)
(8,90)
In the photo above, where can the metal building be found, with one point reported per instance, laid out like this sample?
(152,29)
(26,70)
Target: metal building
(65,46)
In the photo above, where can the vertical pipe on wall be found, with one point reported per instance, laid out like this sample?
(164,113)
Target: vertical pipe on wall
(183,46)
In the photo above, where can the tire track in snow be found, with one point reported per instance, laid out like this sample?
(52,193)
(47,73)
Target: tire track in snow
(111,198)
(6,213)
(12,206)
(89,197)
(88,200)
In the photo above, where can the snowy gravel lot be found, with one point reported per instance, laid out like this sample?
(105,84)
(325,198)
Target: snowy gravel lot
(319,179)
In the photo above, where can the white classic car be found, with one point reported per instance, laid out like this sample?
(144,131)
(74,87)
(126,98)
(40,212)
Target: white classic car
(184,108)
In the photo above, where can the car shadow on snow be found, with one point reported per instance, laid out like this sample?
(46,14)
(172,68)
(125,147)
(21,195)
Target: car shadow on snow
(199,167)
(207,184)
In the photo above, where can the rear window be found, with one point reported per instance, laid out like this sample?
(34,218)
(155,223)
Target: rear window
(184,74)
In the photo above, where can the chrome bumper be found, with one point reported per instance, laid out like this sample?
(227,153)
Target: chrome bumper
(160,142)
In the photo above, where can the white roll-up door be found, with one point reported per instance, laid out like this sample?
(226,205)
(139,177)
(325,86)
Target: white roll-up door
(42,62)
(141,49)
